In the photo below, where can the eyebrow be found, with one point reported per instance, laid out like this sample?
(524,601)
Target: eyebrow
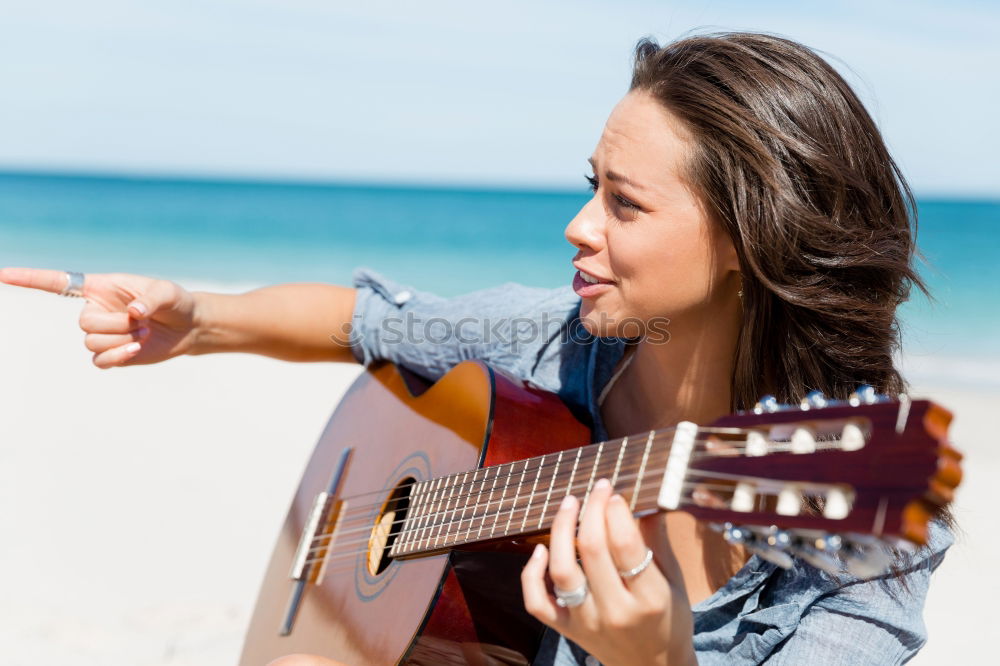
(616,177)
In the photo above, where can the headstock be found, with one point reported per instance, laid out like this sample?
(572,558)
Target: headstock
(831,482)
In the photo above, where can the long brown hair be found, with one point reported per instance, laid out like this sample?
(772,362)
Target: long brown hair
(788,160)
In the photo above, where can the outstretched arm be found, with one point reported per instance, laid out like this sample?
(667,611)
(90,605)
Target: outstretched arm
(133,320)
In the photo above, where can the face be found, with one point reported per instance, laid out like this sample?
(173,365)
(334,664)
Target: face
(644,235)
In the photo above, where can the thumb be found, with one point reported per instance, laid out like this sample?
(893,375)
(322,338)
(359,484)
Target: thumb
(159,296)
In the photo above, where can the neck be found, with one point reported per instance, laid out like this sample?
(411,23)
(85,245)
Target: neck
(688,378)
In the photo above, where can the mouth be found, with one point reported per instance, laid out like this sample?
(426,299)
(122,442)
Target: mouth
(588,285)
(590,278)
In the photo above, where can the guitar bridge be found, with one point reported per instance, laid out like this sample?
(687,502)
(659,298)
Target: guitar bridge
(316,541)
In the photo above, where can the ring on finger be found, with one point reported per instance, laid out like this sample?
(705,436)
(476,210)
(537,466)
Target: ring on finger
(571,598)
(639,568)
(74,285)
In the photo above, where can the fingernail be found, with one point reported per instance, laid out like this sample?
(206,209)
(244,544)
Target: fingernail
(132,347)
(140,308)
(567,502)
(539,549)
(603,484)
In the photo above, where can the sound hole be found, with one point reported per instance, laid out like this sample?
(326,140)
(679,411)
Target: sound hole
(387,526)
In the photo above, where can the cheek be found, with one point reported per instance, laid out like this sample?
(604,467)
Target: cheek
(664,273)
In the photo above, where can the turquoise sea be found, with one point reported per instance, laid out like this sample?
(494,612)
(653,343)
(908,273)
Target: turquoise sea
(447,240)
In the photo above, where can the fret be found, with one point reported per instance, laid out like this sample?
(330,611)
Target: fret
(642,470)
(468,501)
(618,463)
(451,494)
(531,498)
(413,515)
(503,495)
(458,500)
(482,485)
(590,482)
(486,510)
(429,516)
(517,494)
(548,495)
(572,472)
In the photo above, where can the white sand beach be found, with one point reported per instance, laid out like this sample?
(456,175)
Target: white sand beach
(139,504)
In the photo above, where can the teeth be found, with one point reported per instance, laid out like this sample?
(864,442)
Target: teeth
(588,278)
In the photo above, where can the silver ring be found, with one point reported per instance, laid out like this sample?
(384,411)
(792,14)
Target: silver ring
(74,285)
(571,598)
(636,570)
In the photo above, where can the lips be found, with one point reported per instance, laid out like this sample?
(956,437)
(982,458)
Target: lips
(585,287)
(591,278)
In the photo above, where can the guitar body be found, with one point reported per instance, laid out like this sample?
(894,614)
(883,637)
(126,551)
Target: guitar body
(461,606)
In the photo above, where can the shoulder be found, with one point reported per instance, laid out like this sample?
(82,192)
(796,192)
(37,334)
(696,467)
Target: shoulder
(532,333)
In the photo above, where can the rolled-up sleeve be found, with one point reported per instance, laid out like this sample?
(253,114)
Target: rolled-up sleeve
(509,326)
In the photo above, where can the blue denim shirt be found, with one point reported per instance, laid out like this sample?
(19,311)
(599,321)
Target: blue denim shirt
(763,614)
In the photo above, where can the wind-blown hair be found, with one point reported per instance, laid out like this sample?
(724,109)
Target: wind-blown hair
(789,162)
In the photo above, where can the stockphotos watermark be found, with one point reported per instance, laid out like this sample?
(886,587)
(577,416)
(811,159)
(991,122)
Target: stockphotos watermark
(513,332)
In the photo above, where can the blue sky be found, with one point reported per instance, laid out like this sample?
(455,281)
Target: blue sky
(506,93)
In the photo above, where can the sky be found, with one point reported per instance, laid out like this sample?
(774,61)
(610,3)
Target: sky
(511,93)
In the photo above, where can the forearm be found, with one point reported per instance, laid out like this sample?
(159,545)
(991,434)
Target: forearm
(293,322)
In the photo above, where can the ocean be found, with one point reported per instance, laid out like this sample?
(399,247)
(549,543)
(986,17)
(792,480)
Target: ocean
(239,234)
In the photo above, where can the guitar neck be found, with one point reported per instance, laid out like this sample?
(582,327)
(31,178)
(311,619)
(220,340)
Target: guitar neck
(522,497)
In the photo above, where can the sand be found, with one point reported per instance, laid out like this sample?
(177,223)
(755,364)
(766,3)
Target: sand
(139,505)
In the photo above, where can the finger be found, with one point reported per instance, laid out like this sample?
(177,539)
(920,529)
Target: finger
(537,600)
(159,295)
(100,342)
(654,532)
(35,278)
(592,541)
(117,356)
(566,574)
(629,549)
(95,319)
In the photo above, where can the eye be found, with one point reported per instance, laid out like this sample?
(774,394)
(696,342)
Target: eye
(625,203)
(619,199)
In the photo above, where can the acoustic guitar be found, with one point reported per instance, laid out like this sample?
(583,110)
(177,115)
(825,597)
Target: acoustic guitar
(421,503)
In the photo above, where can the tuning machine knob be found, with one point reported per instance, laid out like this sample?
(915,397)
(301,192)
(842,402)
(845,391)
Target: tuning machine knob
(813,400)
(865,395)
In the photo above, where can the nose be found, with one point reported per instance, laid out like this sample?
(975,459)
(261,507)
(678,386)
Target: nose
(586,230)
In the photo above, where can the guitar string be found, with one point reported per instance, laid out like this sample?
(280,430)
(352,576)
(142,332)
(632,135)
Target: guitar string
(451,505)
(338,562)
(615,443)
(512,512)
(449,495)
(725,449)
(425,532)
(368,527)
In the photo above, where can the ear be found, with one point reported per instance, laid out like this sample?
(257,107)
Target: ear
(728,257)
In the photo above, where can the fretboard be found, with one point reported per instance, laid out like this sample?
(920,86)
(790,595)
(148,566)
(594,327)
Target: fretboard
(522,497)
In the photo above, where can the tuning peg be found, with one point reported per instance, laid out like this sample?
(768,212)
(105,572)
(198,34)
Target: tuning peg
(736,535)
(766,405)
(819,558)
(863,395)
(852,437)
(762,547)
(813,400)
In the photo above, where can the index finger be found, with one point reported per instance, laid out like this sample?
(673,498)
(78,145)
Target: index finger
(35,278)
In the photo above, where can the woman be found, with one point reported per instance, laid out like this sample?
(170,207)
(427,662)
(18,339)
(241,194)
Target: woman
(743,195)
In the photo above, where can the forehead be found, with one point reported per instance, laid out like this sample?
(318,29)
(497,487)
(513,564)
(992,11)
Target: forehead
(643,140)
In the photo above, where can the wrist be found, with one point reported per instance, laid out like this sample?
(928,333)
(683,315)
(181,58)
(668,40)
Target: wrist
(206,333)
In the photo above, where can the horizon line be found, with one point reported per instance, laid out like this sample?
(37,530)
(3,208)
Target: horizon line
(302,180)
